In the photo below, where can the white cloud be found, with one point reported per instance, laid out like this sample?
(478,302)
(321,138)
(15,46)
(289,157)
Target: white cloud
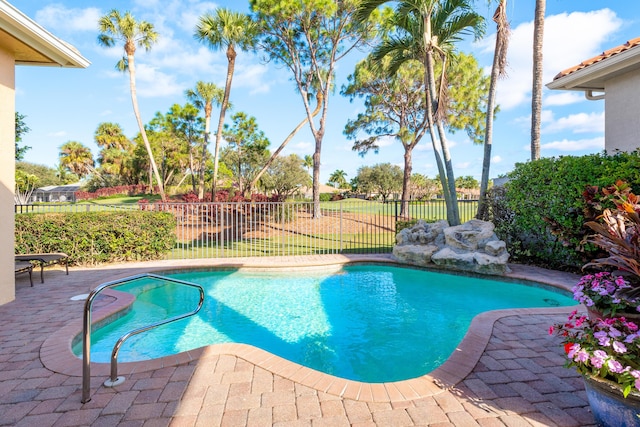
(589,31)
(463,165)
(496,159)
(578,123)
(58,134)
(59,18)
(563,98)
(153,83)
(574,145)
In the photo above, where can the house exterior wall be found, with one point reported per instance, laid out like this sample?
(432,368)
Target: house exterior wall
(7,175)
(622,106)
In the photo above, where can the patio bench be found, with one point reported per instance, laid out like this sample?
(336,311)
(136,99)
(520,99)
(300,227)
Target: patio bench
(45,260)
(24,267)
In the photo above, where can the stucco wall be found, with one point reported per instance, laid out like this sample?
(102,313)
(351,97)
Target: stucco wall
(622,107)
(7,175)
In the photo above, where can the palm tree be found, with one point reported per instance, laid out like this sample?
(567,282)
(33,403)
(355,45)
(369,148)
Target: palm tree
(308,162)
(226,29)
(497,70)
(203,97)
(115,26)
(536,90)
(339,178)
(111,135)
(77,158)
(428,31)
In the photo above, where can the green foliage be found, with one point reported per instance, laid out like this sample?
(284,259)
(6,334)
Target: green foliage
(383,178)
(91,238)
(467,182)
(21,129)
(46,175)
(542,214)
(326,197)
(286,175)
(284,212)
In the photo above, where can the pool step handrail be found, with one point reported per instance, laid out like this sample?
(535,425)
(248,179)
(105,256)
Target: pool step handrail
(86,333)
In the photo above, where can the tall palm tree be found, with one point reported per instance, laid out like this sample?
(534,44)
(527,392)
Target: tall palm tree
(77,158)
(111,135)
(536,90)
(338,177)
(115,26)
(203,97)
(226,29)
(497,70)
(428,31)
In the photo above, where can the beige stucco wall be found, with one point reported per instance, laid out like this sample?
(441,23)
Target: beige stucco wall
(7,175)
(622,106)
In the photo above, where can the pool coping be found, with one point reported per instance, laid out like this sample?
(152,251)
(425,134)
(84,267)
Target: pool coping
(56,353)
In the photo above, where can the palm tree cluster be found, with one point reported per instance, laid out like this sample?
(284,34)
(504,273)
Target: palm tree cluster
(406,81)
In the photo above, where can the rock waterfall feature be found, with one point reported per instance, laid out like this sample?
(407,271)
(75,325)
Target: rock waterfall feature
(472,246)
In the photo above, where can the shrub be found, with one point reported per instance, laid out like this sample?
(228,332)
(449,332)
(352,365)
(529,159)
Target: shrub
(120,190)
(91,238)
(283,212)
(545,200)
(326,197)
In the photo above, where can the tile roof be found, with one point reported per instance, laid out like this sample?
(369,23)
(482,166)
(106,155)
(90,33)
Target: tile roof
(604,55)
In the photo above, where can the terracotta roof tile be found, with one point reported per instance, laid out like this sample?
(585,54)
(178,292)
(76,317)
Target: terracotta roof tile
(604,55)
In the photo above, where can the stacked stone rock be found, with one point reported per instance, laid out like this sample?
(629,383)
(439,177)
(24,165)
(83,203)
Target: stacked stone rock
(472,246)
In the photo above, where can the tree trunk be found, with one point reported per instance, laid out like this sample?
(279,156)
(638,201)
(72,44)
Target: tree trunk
(203,161)
(536,90)
(497,69)
(408,165)
(285,142)
(453,215)
(136,112)
(436,151)
(231,58)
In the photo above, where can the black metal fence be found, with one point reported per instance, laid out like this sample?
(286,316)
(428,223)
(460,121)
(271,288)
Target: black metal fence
(212,230)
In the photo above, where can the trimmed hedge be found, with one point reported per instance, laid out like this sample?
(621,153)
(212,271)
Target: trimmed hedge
(541,214)
(91,238)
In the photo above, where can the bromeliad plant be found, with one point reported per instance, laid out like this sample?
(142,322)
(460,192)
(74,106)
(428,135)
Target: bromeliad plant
(619,232)
(607,349)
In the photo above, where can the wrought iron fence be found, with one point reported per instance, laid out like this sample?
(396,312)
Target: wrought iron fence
(212,230)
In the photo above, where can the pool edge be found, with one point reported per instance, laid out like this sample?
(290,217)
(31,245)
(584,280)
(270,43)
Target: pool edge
(56,352)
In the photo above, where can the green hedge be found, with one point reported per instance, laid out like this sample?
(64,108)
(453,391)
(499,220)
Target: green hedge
(544,220)
(91,238)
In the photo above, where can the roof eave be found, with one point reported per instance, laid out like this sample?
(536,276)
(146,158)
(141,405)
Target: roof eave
(27,31)
(593,76)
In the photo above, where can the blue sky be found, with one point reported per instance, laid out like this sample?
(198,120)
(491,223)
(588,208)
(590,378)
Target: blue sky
(68,104)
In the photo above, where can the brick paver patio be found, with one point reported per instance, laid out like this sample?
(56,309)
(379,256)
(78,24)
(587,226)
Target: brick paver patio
(507,372)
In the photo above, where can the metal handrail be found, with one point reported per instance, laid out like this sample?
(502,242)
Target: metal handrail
(86,333)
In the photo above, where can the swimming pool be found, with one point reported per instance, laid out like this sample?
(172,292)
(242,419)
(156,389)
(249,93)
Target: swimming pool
(369,323)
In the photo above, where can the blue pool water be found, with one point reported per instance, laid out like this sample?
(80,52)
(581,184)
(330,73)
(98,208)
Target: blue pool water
(365,322)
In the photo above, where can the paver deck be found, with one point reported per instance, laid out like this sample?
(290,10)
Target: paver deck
(507,371)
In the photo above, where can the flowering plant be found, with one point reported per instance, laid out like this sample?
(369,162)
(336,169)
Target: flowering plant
(601,291)
(608,349)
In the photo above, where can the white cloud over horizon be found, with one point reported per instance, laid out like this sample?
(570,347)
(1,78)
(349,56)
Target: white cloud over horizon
(574,145)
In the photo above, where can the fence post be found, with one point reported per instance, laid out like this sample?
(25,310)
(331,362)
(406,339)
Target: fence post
(341,226)
(282,225)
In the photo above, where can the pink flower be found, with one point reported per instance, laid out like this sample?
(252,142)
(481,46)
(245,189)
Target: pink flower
(618,347)
(615,366)
(598,358)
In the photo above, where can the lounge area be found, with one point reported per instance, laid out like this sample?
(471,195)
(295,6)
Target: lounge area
(516,376)
(44,260)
